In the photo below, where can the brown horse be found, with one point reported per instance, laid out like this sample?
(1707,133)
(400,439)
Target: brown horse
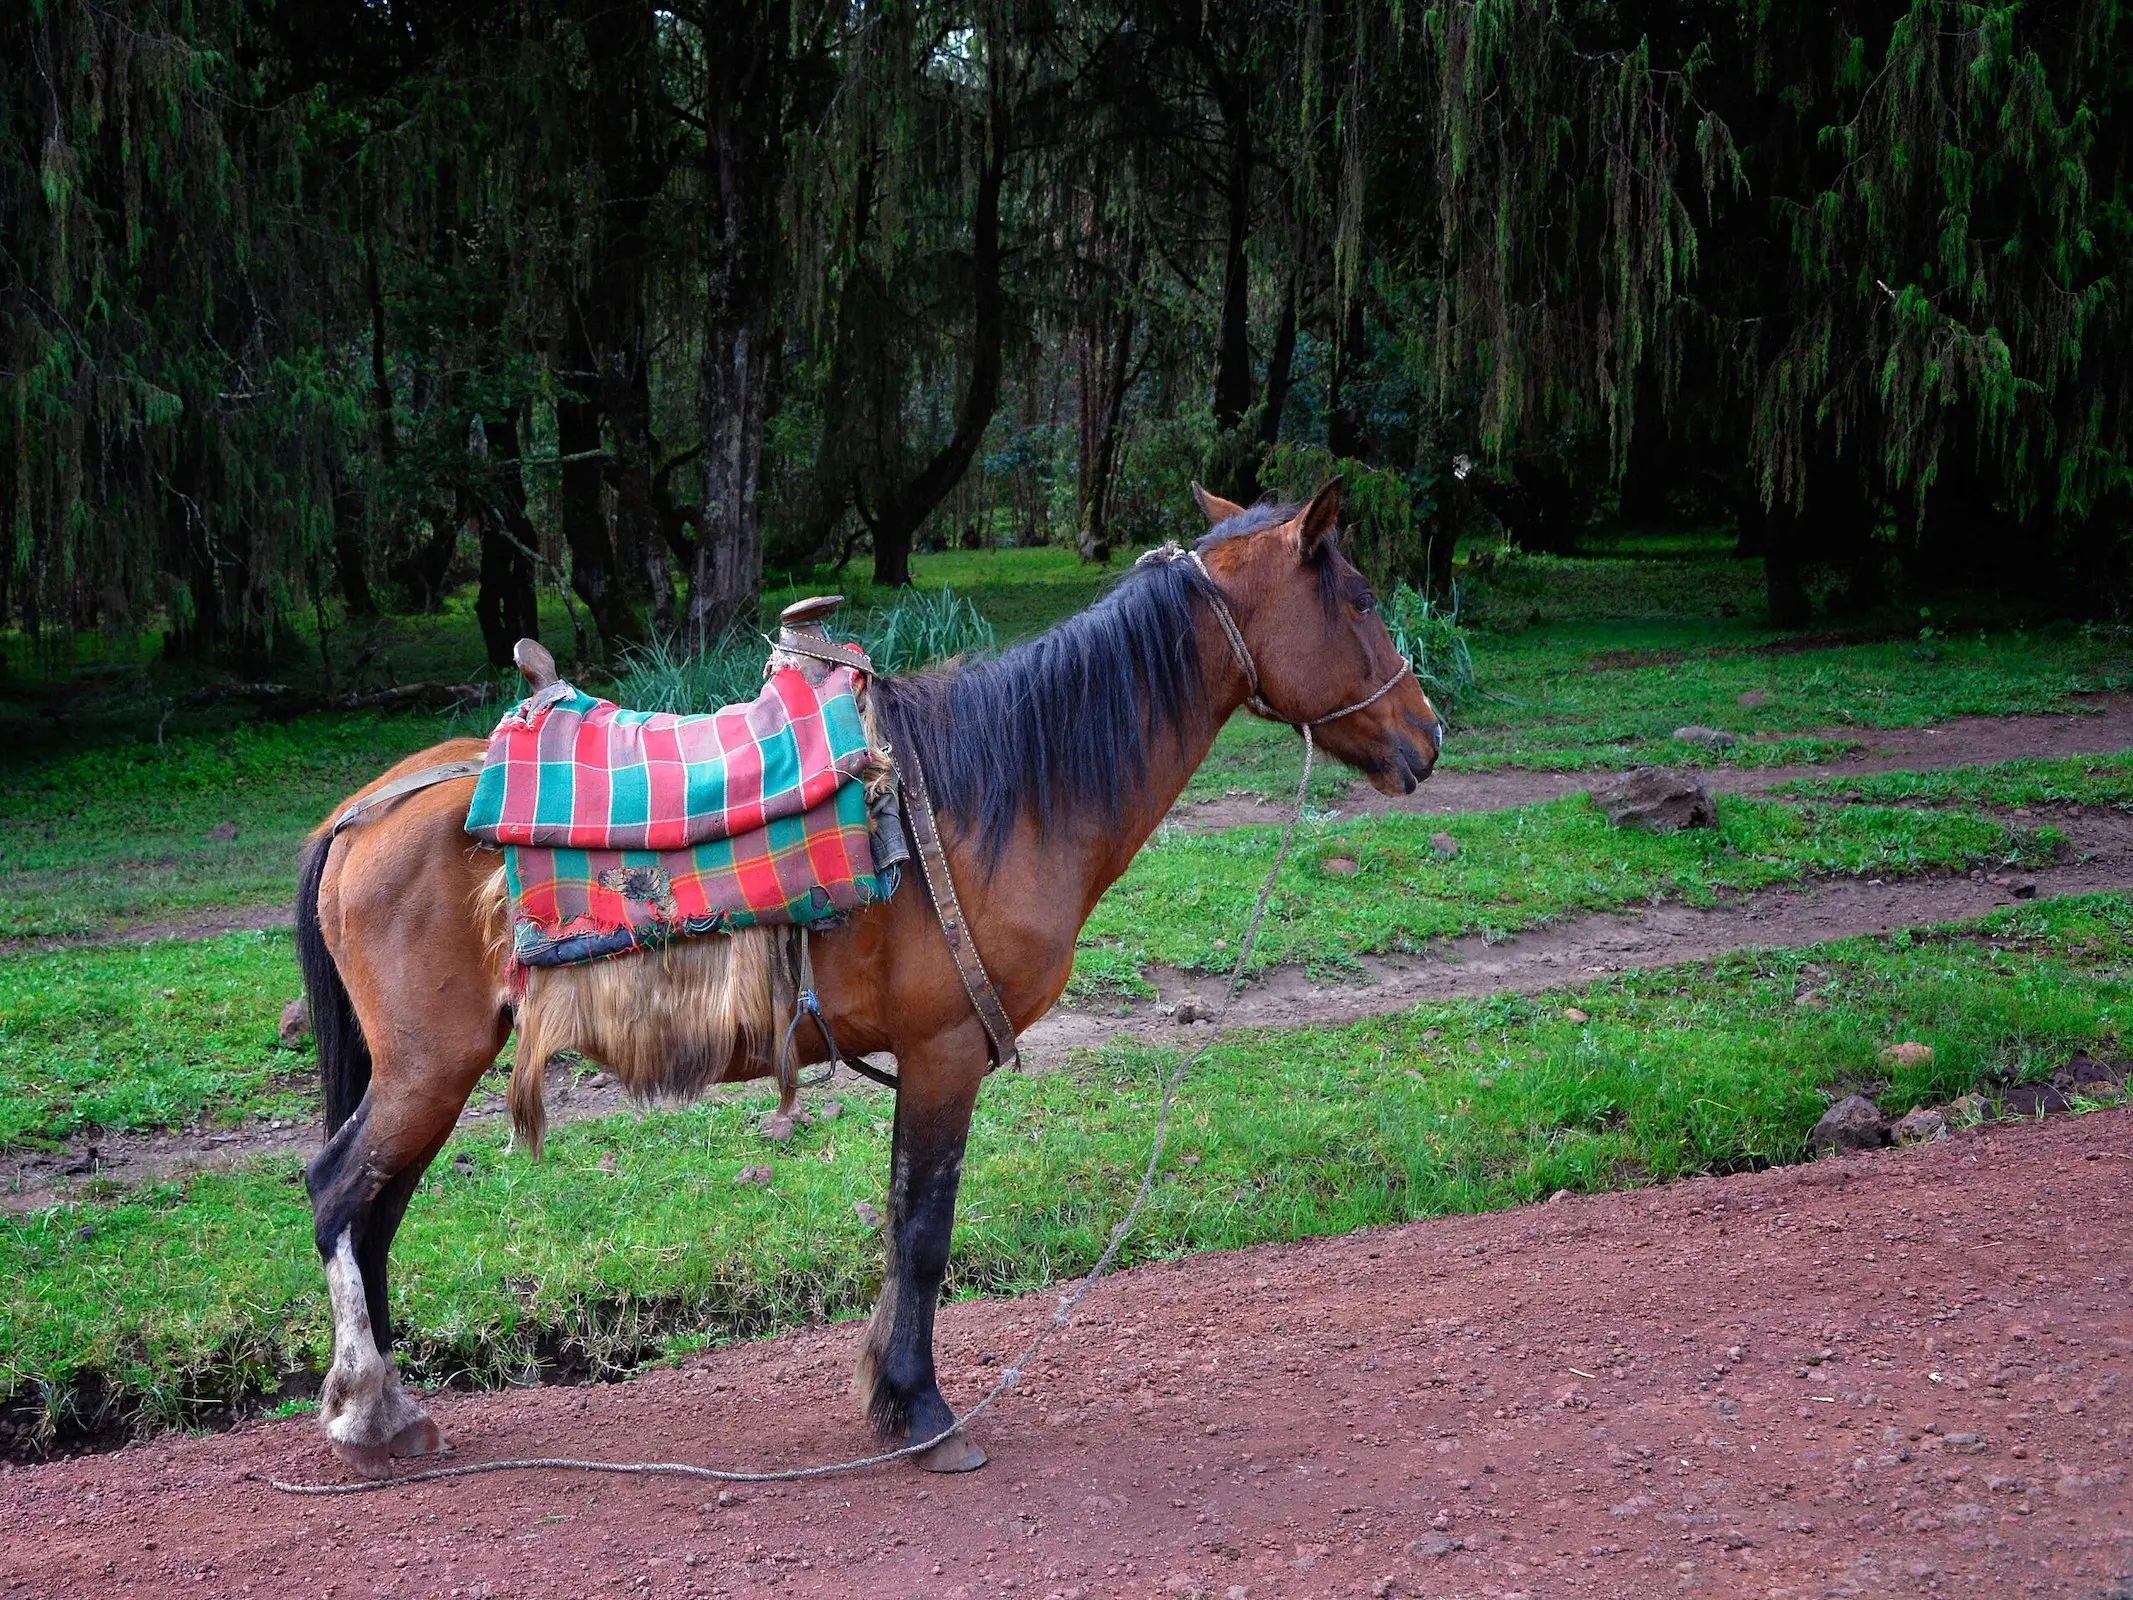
(1050,766)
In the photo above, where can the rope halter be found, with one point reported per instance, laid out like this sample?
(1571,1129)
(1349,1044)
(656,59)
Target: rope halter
(1255,703)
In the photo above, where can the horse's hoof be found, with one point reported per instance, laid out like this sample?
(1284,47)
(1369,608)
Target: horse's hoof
(418,1438)
(956,1453)
(365,1460)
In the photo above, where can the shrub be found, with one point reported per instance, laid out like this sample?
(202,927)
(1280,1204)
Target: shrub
(918,631)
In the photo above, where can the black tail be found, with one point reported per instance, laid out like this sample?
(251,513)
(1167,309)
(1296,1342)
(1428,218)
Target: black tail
(343,1052)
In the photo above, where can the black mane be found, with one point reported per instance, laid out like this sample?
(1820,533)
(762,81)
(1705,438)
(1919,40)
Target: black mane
(1066,722)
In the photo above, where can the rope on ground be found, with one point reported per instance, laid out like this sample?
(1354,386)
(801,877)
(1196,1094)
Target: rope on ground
(1010,1376)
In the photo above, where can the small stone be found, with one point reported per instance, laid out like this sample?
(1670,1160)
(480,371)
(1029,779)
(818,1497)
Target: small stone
(1573,1014)
(869,1218)
(1709,738)
(1435,1546)
(1186,1014)
(1970,1109)
(1656,800)
(726,1496)
(1559,1197)
(1908,1054)
(1444,844)
(295,1024)
(777,1128)
(759,1176)
(1853,1123)
(831,1110)
(222,833)
(1962,1444)
(1754,698)
(1342,866)
(2032,1100)
(1921,1126)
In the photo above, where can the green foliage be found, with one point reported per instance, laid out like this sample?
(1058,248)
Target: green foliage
(921,629)
(1379,526)
(1429,636)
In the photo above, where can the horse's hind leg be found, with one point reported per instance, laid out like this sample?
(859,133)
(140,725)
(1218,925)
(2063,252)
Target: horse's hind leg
(359,1192)
(360,1185)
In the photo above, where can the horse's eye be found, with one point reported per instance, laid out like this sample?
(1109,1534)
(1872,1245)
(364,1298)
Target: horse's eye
(1366,602)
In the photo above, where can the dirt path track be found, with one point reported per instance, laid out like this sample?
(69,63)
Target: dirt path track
(1606,1396)
(1958,742)
(1577,951)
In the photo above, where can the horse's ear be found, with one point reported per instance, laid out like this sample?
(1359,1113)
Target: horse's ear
(1217,509)
(1318,519)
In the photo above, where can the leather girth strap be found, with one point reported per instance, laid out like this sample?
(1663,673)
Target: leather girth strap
(984,998)
(426,778)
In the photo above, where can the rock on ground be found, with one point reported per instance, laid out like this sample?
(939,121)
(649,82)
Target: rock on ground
(1656,799)
(1853,1123)
(1920,1125)
(295,1024)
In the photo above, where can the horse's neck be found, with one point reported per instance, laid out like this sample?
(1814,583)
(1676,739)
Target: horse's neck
(1172,762)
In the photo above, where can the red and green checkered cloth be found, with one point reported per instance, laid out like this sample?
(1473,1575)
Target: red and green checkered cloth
(567,771)
(624,829)
(580,905)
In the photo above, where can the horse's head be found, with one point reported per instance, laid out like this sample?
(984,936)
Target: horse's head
(1311,633)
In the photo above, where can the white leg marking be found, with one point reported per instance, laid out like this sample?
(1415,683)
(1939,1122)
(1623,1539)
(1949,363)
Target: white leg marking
(369,1418)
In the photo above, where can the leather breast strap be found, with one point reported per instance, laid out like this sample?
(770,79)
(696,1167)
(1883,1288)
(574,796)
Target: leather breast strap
(984,998)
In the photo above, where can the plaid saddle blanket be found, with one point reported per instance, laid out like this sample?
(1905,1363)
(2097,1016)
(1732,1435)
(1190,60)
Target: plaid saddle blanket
(567,771)
(615,839)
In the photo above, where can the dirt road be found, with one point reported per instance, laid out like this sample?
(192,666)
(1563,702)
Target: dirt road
(1905,1373)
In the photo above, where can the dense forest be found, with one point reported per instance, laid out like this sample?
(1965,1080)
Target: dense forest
(315,307)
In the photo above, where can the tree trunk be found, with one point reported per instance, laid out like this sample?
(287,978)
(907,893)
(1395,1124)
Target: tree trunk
(1783,586)
(1099,457)
(628,168)
(1344,417)
(506,604)
(744,155)
(1233,350)
(897,518)
(1280,364)
(189,551)
(578,499)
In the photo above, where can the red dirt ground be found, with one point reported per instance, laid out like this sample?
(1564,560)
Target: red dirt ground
(1904,1373)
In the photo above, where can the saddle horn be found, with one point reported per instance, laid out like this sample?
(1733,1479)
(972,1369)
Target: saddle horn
(535,662)
(811,615)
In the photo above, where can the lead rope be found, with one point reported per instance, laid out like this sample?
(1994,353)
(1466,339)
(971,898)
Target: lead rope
(1009,1377)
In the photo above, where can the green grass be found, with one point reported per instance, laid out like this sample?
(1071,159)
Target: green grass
(1187,895)
(631,1241)
(103,838)
(2071,780)
(149,1036)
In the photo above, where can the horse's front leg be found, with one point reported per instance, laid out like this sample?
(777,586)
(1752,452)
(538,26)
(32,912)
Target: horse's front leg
(895,1381)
